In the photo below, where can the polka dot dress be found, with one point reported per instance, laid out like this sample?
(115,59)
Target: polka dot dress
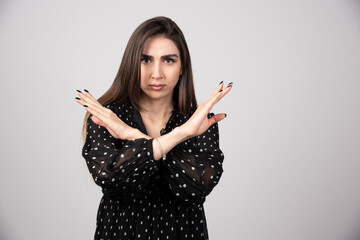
(148,199)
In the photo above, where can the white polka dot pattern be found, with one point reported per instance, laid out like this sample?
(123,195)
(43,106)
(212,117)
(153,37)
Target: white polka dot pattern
(148,199)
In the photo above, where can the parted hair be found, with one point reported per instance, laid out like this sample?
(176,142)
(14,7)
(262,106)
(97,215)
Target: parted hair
(126,85)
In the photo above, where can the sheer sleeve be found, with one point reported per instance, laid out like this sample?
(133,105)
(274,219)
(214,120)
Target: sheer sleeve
(194,167)
(121,168)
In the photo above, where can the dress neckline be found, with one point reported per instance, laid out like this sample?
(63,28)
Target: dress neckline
(137,117)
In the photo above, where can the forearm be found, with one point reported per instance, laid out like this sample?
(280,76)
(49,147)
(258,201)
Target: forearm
(164,143)
(168,141)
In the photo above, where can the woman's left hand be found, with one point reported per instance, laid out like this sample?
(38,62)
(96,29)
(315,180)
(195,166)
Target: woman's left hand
(199,121)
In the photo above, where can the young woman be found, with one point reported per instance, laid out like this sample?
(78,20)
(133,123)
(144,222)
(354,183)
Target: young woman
(154,153)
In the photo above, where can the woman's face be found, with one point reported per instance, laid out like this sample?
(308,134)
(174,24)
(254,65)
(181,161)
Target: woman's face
(160,68)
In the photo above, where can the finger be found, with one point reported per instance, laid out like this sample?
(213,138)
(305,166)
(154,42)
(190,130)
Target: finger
(97,120)
(221,92)
(90,105)
(101,115)
(217,118)
(86,96)
(90,101)
(224,92)
(83,99)
(216,97)
(207,106)
(221,84)
(80,101)
(90,96)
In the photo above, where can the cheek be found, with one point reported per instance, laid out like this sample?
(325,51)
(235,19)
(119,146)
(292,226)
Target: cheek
(142,84)
(173,79)
(142,77)
(175,74)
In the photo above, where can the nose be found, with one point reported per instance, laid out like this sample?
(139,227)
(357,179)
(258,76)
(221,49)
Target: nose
(156,71)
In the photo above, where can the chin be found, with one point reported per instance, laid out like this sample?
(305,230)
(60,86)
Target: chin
(155,95)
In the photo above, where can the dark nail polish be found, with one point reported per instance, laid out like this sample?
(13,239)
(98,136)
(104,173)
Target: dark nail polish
(78,91)
(86,90)
(221,82)
(85,105)
(225,114)
(221,90)
(78,98)
(230,84)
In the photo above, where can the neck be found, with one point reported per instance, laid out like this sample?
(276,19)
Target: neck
(156,109)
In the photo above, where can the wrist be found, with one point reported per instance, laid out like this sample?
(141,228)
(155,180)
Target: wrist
(164,143)
(134,133)
(181,133)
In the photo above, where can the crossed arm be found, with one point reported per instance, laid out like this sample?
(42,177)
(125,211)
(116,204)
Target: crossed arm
(196,125)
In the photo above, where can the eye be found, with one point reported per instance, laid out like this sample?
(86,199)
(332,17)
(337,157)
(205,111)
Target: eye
(169,60)
(145,59)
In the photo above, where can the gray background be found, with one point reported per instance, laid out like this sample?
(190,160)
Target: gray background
(291,139)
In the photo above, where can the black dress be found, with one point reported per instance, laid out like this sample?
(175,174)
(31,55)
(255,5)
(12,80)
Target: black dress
(148,199)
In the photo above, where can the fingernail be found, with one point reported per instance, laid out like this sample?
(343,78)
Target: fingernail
(86,90)
(225,114)
(85,105)
(230,84)
(221,82)
(221,90)
(78,98)
(78,90)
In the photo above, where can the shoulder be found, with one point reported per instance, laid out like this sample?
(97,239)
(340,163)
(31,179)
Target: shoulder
(124,111)
(179,115)
(119,108)
(178,118)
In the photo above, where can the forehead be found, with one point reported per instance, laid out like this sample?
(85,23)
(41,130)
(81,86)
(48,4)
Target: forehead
(160,45)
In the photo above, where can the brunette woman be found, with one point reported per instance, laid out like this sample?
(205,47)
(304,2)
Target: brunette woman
(153,151)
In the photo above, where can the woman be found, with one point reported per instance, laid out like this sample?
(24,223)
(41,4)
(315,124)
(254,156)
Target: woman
(154,153)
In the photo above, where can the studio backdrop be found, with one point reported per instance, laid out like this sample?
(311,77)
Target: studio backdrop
(291,139)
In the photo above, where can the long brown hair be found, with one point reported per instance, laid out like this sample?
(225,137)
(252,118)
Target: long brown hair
(126,85)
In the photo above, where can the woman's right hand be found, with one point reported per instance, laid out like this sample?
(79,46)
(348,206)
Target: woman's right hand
(104,117)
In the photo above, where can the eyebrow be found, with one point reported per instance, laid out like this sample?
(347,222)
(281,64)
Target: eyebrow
(163,57)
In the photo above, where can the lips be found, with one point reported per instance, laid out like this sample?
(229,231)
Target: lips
(157,87)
